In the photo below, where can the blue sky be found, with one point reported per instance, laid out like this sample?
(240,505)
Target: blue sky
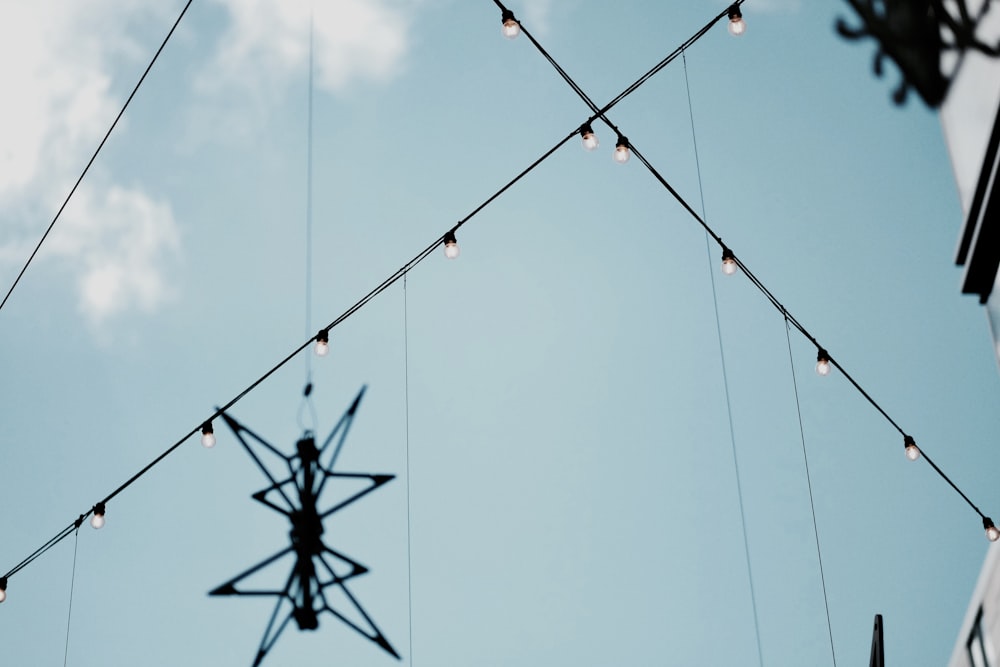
(571,484)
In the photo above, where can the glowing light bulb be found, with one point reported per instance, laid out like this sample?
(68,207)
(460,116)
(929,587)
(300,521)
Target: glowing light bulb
(3,588)
(737,26)
(97,520)
(823,362)
(912,451)
(510,28)
(590,141)
(322,343)
(207,435)
(450,245)
(622,152)
(992,534)
(728,261)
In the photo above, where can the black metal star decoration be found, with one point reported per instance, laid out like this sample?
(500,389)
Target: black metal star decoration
(316,567)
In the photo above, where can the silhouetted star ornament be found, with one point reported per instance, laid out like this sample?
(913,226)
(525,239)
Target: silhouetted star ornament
(316,567)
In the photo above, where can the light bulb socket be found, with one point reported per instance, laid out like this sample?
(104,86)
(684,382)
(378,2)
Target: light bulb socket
(734,13)
(207,434)
(823,362)
(590,141)
(100,509)
(992,534)
(3,583)
(622,152)
(323,336)
(450,244)
(510,27)
(728,261)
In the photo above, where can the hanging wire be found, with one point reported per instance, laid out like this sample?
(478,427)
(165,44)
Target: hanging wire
(358,305)
(408,266)
(812,505)
(72,585)
(94,156)
(725,374)
(406,403)
(307,402)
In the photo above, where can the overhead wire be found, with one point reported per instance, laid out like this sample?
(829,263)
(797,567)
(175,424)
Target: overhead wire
(725,374)
(600,112)
(94,156)
(419,257)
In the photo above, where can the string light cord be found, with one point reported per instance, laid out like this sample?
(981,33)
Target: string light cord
(601,113)
(94,156)
(384,285)
(72,585)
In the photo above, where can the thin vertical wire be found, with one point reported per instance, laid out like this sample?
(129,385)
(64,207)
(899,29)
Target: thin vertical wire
(406,402)
(725,375)
(309,198)
(812,506)
(72,585)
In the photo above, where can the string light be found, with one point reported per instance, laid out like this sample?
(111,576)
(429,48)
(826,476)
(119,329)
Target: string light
(590,141)
(728,261)
(451,251)
(622,153)
(910,447)
(97,520)
(322,343)
(450,245)
(822,362)
(3,588)
(992,534)
(510,28)
(207,435)
(737,26)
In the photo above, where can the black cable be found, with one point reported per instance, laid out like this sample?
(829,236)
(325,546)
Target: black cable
(384,285)
(600,113)
(94,156)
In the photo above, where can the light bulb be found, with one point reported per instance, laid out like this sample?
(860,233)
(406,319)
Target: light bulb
(3,588)
(207,435)
(97,520)
(510,28)
(322,343)
(590,141)
(728,262)
(622,153)
(912,451)
(737,26)
(822,362)
(992,534)
(450,245)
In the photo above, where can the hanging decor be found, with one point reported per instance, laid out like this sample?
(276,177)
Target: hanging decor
(915,34)
(318,572)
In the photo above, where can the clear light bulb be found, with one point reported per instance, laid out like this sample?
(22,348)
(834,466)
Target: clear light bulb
(322,347)
(590,141)
(450,245)
(912,451)
(728,262)
(823,363)
(992,534)
(510,28)
(737,26)
(97,520)
(622,153)
(207,435)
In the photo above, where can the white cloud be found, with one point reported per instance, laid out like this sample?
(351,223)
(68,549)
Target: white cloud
(57,59)
(117,245)
(268,41)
